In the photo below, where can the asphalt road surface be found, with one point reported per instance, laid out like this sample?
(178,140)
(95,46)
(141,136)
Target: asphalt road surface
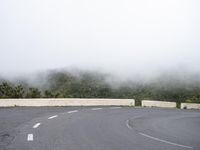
(99,128)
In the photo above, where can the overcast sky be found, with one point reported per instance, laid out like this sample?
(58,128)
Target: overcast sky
(120,36)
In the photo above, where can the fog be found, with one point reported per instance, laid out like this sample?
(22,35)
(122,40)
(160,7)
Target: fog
(125,38)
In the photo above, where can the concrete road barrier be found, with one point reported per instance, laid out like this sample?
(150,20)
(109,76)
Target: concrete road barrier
(66,102)
(164,104)
(190,106)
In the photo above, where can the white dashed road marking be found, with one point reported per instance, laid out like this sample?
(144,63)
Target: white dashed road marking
(74,111)
(36,125)
(115,107)
(53,117)
(160,140)
(96,108)
(30,137)
(127,124)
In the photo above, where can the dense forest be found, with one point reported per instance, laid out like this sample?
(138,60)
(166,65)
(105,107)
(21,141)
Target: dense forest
(63,84)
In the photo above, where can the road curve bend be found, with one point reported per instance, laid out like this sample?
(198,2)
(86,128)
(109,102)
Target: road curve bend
(111,128)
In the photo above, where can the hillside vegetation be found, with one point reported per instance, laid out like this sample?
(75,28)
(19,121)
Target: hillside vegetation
(61,84)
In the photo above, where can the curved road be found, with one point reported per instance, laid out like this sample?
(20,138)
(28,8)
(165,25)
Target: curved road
(111,128)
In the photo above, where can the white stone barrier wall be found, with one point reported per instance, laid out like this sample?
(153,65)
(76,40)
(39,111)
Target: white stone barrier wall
(190,106)
(66,102)
(164,104)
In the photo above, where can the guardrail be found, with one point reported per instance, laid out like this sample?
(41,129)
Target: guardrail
(91,102)
(190,106)
(66,102)
(164,104)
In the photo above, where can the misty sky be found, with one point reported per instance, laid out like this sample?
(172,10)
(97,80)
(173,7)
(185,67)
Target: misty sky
(119,36)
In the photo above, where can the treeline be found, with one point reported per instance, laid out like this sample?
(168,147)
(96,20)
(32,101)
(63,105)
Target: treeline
(96,85)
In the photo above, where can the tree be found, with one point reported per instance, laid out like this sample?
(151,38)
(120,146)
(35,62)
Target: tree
(33,93)
(18,92)
(6,90)
(48,94)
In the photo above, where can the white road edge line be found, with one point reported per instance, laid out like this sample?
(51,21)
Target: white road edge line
(127,124)
(53,117)
(36,125)
(115,107)
(160,140)
(96,108)
(30,137)
(74,111)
